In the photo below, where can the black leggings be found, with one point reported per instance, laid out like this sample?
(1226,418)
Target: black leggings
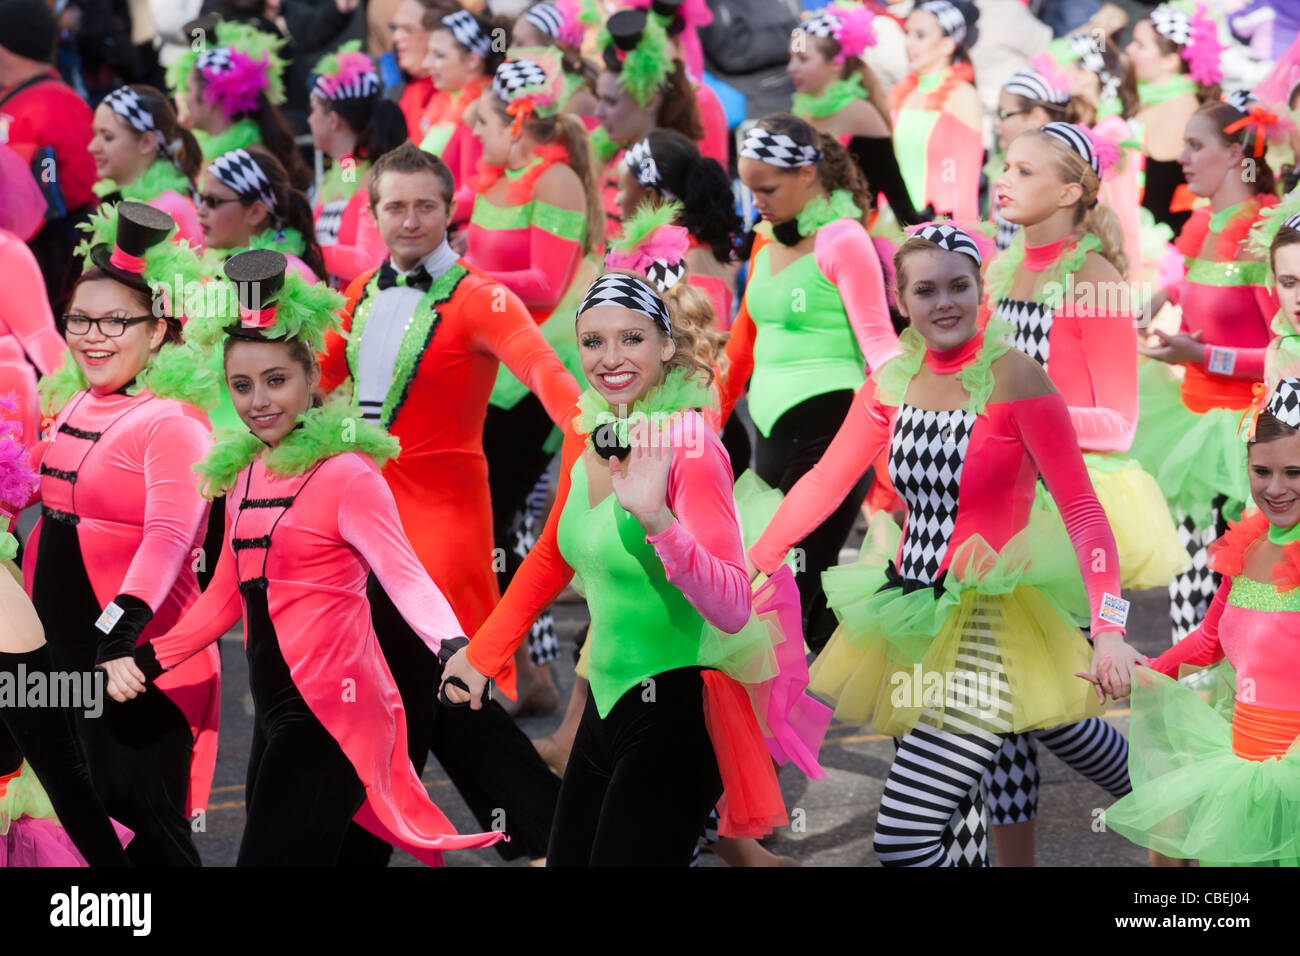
(640,781)
(798,440)
(45,738)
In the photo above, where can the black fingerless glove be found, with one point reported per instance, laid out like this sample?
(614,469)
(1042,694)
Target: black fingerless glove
(120,626)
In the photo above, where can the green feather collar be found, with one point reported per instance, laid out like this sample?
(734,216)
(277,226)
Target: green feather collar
(161,176)
(680,389)
(831,100)
(893,377)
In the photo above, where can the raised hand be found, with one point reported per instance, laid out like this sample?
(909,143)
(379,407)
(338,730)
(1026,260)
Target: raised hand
(641,481)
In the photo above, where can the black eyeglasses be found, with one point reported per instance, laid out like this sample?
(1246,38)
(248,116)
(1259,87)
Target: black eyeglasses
(1007,114)
(212,202)
(110,328)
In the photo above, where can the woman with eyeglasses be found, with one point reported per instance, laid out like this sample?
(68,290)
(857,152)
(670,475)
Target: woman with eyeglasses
(247,202)
(143,154)
(113,559)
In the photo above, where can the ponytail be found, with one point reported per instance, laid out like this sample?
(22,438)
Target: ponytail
(569,132)
(1101,221)
(837,170)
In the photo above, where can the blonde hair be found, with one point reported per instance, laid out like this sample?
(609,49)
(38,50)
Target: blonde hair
(699,340)
(1091,216)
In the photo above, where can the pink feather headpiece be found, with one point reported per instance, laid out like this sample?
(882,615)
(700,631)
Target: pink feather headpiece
(571,32)
(1203,48)
(352,67)
(1050,71)
(1106,151)
(233,85)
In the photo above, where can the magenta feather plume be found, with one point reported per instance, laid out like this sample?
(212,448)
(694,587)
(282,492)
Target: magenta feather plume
(1056,77)
(668,243)
(235,90)
(351,66)
(856,32)
(18,481)
(1107,152)
(571,32)
(1203,48)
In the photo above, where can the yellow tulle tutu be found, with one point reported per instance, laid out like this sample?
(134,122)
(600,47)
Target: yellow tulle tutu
(994,649)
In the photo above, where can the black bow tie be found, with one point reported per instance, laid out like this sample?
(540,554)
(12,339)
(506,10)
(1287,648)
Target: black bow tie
(417,278)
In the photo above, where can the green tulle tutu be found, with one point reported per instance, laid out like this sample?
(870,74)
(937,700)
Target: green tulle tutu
(1193,457)
(1193,797)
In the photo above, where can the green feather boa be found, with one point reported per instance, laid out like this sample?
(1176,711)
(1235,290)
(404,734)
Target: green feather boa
(303,312)
(818,211)
(831,100)
(332,429)
(680,389)
(893,377)
(241,135)
(161,176)
(1002,273)
(179,371)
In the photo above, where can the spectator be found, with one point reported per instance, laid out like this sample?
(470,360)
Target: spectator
(46,123)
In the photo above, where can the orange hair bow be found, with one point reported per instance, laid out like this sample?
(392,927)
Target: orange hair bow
(1261,119)
(521,109)
(1259,398)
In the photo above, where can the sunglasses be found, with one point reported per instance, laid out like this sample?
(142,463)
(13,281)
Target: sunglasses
(212,202)
(111,328)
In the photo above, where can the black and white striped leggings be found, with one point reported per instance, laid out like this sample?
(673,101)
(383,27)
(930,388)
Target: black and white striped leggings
(936,772)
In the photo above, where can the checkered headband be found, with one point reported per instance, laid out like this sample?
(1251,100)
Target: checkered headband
(824,25)
(238,170)
(1241,100)
(641,163)
(125,102)
(214,59)
(1090,55)
(950,238)
(1172,23)
(624,291)
(1032,85)
(951,20)
(362,86)
(464,26)
(666,274)
(777,149)
(1075,138)
(1284,403)
(515,78)
(546,17)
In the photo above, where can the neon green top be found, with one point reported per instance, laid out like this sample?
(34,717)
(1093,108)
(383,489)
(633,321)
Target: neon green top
(912,128)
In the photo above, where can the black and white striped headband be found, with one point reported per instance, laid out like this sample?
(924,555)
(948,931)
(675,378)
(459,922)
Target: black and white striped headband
(951,20)
(464,26)
(627,292)
(126,103)
(1032,85)
(360,87)
(238,170)
(1090,55)
(1173,24)
(950,238)
(1284,403)
(777,149)
(1075,138)
(546,17)
(641,163)
(1292,222)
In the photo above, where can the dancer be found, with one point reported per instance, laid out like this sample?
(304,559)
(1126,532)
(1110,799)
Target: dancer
(563,24)
(227,95)
(412,22)
(112,560)
(421,340)
(1175,57)
(1061,289)
(37,743)
(837,93)
(937,116)
(537,228)
(319,468)
(640,87)
(814,313)
(653,535)
(1207,786)
(462,61)
(354,125)
(666,167)
(1187,435)
(142,153)
(247,202)
(977,588)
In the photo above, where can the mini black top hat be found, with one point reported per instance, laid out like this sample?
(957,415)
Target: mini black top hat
(258,276)
(625,29)
(671,11)
(139,228)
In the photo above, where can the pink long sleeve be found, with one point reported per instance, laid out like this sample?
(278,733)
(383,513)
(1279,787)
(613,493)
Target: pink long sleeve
(365,251)
(1099,384)
(368,521)
(1043,427)
(847,257)
(1201,647)
(552,261)
(1246,363)
(26,310)
(174,511)
(819,492)
(215,611)
(701,551)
